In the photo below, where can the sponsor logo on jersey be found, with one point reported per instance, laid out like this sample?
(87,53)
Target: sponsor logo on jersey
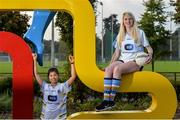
(128,47)
(52,98)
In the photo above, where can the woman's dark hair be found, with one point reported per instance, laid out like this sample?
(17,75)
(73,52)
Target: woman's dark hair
(53,69)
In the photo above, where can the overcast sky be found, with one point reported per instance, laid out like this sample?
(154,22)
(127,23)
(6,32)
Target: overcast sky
(114,7)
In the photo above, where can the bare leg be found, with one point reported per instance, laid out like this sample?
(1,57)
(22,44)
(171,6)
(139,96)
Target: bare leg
(125,68)
(112,82)
(117,72)
(110,69)
(108,79)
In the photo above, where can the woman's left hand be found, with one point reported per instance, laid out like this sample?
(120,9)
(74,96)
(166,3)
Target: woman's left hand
(71,59)
(149,58)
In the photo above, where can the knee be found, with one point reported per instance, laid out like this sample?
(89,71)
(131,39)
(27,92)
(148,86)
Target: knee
(109,69)
(117,70)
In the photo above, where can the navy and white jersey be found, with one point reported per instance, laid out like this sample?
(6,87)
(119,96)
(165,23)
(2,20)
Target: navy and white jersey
(129,48)
(54,100)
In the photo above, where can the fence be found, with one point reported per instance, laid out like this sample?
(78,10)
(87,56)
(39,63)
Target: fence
(5,58)
(174,77)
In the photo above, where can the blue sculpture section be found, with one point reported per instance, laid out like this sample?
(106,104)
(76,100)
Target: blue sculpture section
(35,34)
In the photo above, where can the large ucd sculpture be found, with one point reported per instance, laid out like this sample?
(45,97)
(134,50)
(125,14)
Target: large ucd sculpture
(164,101)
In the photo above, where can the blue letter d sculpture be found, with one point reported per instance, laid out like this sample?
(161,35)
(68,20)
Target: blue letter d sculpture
(35,34)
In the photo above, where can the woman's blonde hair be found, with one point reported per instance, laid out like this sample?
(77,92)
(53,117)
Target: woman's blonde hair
(122,31)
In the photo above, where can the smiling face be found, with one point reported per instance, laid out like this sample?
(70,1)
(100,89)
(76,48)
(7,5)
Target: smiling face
(53,78)
(128,21)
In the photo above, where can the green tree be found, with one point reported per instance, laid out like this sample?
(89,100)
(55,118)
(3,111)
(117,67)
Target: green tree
(98,49)
(177,14)
(13,21)
(152,22)
(48,47)
(111,22)
(64,22)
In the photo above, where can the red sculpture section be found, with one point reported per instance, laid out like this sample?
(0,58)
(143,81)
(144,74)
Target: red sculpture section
(22,78)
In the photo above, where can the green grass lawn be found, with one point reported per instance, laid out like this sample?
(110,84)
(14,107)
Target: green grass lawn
(165,66)
(160,66)
(6,67)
